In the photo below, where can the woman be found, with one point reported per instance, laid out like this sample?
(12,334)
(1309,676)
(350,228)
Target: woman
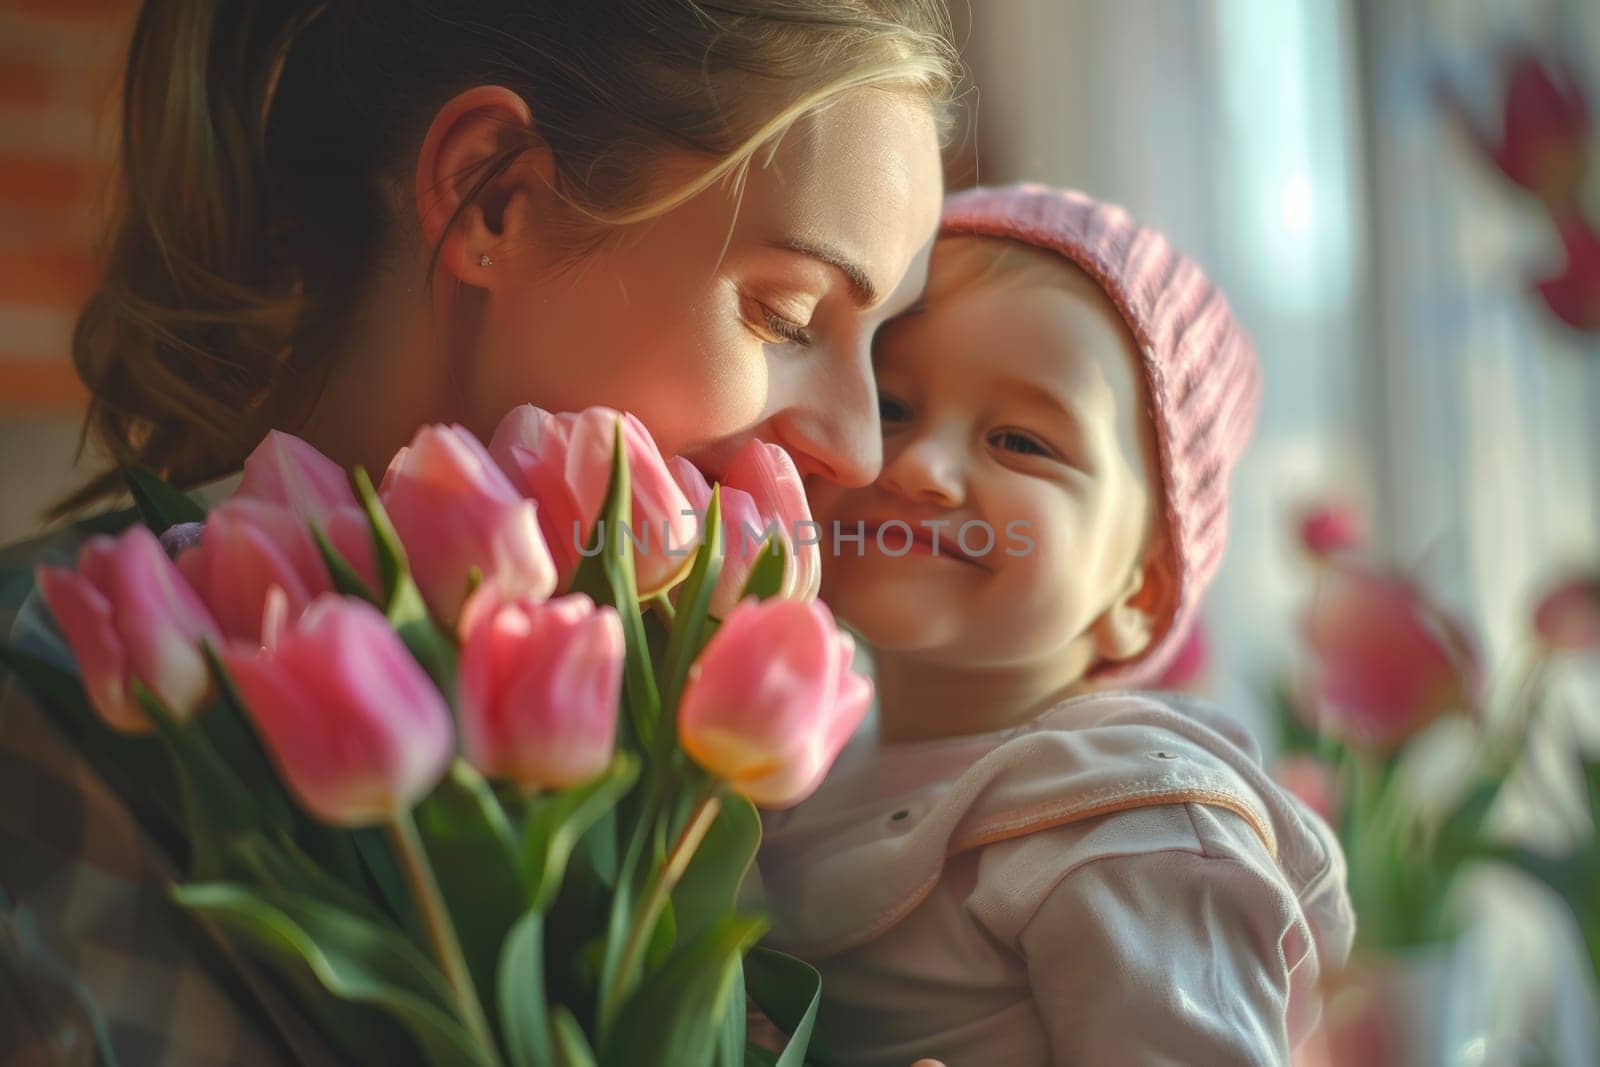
(355,217)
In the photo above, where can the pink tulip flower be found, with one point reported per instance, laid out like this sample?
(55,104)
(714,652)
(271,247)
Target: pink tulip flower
(761,494)
(563,462)
(250,546)
(1568,617)
(354,726)
(1326,530)
(539,684)
(772,700)
(127,614)
(1546,136)
(1386,660)
(1574,295)
(456,513)
(288,472)
(1313,781)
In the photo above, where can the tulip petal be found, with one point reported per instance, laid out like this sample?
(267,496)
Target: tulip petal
(84,617)
(160,620)
(353,723)
(286,471)
(771,701)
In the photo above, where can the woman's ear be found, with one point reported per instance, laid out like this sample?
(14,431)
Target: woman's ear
(467,135)
(1128,627)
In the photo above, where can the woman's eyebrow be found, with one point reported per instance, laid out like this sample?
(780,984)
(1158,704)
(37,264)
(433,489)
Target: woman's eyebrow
(862,291)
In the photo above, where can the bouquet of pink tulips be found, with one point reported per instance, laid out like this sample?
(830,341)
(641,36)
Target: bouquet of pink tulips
(463,819)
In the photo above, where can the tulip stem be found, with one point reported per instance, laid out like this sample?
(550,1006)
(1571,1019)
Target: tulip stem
(664,608)
(1507,748)
(655,899)
(441,931)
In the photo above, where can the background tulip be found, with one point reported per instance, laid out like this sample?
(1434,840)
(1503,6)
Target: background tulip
(1568,617)
(1326,530)
(456,512)
(563,462)
(1313,781)
(1387,661)
(539,683)
(353,724)
(1573,296)
(761,490)
(772,700)
(127,613)
(1545,143)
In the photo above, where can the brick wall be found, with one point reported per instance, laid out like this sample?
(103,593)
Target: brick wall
(60,68)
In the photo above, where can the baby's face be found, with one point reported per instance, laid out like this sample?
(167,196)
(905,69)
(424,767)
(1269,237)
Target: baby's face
(1010,407)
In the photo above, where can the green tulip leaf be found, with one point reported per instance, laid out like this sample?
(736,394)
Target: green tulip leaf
(676,1015)
(280,864)
(558,821)
(161,505)
(388,552)
(1591,786)
(349,957)
(691,627)
(227,725)
(474,857)
(1461,837)
(663,936)
(730,1035)
(400,598)
(572,1047)
(216,805)
(756,1056)
(606,575)
(520,994)
(766,577)
(387,881)
(789,991)
(345,579)
(709,887)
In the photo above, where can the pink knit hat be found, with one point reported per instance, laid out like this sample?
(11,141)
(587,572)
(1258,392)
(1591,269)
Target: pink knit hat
(1199,367)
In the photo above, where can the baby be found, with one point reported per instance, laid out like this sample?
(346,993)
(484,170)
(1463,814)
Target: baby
(1032,862)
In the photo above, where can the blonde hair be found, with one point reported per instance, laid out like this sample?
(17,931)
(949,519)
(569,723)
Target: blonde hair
(256,134)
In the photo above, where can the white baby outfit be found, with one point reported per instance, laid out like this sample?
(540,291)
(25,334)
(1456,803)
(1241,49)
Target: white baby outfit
(1115,882)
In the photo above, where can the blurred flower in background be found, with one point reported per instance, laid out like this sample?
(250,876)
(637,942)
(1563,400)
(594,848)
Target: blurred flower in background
(1545,147)
(1385,671)
(1544,141)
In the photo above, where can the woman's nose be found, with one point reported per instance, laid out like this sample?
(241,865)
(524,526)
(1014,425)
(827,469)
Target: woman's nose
(835,435)
(926,470)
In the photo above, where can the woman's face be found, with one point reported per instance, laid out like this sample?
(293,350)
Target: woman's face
(729,318)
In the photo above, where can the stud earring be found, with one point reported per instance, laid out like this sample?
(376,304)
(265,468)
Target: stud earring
(484,260)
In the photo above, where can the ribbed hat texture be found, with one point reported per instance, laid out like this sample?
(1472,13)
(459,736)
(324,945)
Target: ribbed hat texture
(1199,368)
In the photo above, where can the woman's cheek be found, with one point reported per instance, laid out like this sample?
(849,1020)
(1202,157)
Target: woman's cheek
(722,384)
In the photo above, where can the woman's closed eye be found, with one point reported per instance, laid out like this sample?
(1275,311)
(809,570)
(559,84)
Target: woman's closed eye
(777,329)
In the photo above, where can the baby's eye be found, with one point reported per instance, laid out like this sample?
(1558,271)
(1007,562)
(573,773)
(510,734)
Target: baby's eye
(1016,441)
(891,409)
(894,410)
